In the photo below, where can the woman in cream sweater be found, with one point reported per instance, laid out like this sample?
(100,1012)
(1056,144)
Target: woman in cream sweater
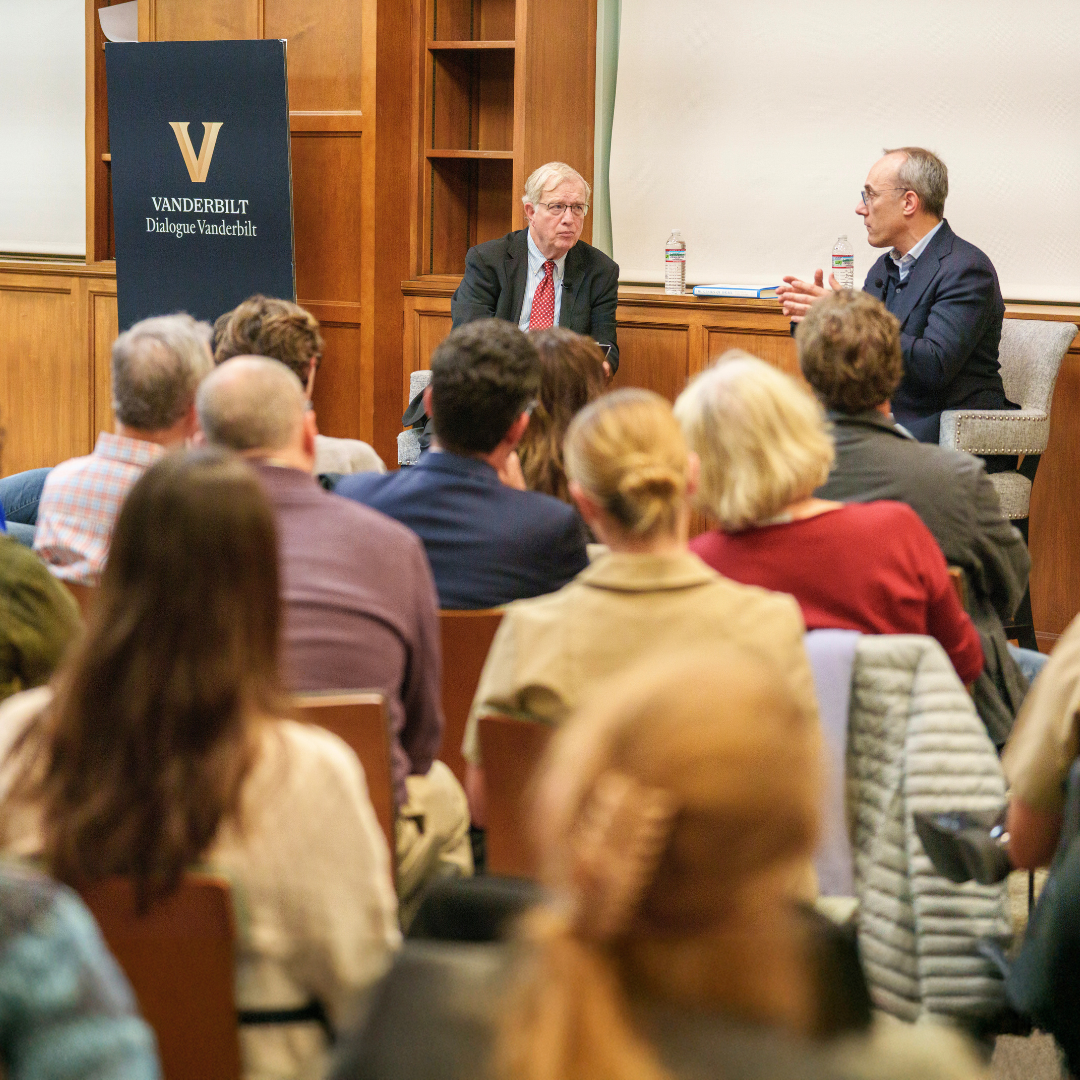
(162,747)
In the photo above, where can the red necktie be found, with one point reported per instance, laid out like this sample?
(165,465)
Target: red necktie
(542,315)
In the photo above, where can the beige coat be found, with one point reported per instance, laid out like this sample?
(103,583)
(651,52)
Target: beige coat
(549,649)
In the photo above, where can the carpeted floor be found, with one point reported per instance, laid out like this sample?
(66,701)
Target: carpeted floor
(1033,1058)
(1036,1057)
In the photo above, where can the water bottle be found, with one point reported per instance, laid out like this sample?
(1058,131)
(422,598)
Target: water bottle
(675,263)
(843,263)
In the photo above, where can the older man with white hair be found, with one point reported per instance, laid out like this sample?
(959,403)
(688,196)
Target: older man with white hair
(545,275)
(359,603)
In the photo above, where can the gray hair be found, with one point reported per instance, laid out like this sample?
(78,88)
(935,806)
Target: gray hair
(551,175)
(157,366)
(924,173)
(251,403)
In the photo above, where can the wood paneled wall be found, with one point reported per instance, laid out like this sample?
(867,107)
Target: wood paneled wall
(58,323)
(665,340)
(350,179)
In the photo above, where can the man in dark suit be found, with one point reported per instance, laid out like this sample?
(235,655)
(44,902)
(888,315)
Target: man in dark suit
(544,275)
(849,351)
(488,542)
(943,290)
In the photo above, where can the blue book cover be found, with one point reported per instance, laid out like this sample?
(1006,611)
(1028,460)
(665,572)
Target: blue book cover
(752,291)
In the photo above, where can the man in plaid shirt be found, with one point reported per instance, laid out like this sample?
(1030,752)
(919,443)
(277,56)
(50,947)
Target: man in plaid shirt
(157,366)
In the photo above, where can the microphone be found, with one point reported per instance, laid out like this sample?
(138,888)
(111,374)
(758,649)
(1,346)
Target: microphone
(878,283)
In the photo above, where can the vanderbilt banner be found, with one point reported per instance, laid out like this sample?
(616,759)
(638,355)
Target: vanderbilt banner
(201,179)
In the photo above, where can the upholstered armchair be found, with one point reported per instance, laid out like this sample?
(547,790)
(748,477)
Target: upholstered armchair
(408,442)
(1031,352)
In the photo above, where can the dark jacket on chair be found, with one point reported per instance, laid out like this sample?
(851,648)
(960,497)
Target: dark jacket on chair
(950,491)
(487,543)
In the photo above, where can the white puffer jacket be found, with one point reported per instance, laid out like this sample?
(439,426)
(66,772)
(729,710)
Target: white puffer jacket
(916,743)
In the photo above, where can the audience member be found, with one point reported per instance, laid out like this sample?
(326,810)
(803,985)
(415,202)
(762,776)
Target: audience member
(630,475)
(156,367)
(571,375)
(162,750)
(39,618)
(359,603)
(849,349)
(671,816)
(282,330)
(873,567)
(66,1010)
(1040,751)
(487,543)
(20,496)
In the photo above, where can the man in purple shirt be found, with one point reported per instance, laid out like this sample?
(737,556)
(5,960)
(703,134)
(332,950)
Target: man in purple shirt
(360,606)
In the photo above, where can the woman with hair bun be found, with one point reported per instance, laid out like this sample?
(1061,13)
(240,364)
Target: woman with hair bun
(670,815)
(631,476)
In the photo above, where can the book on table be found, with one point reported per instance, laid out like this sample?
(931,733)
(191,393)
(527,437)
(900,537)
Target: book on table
(758,292)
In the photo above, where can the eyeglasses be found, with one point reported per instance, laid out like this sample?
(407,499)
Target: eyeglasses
(869,196)
(579,210)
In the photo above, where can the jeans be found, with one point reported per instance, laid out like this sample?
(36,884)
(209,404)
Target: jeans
(1030,662)
(20,495)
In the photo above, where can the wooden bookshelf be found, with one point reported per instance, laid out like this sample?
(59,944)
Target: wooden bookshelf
(501,87)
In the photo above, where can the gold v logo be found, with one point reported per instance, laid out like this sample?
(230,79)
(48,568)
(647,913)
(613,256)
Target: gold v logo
(197,167)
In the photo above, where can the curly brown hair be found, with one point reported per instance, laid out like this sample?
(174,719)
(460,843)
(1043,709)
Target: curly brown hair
(266,326)
(572,375)
(849,350)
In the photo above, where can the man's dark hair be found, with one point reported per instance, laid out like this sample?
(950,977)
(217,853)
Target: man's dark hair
(849,351)
(483,377)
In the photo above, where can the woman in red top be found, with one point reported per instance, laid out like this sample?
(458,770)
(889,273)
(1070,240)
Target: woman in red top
(875,567)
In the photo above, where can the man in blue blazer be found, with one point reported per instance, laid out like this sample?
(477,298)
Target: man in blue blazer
(943,290)
(488,542)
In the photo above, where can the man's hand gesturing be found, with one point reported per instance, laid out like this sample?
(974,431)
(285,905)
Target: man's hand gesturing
(796,296)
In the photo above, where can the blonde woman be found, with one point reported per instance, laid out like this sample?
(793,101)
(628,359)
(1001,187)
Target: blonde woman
(631,476)
(875,567)
(670,816)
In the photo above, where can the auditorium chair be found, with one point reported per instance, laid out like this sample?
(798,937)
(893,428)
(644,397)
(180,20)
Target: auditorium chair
(179,959)
(358,718)
(1030,355)
(85,596)
(511,750)
(466,639)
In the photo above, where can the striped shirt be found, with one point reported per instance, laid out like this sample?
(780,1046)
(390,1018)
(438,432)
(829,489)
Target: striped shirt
(80,504)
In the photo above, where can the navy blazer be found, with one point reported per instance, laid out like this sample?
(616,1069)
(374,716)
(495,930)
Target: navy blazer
(950,311)
(487,543)
(494,288)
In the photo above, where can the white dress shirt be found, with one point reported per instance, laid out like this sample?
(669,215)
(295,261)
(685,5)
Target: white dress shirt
(906,262)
